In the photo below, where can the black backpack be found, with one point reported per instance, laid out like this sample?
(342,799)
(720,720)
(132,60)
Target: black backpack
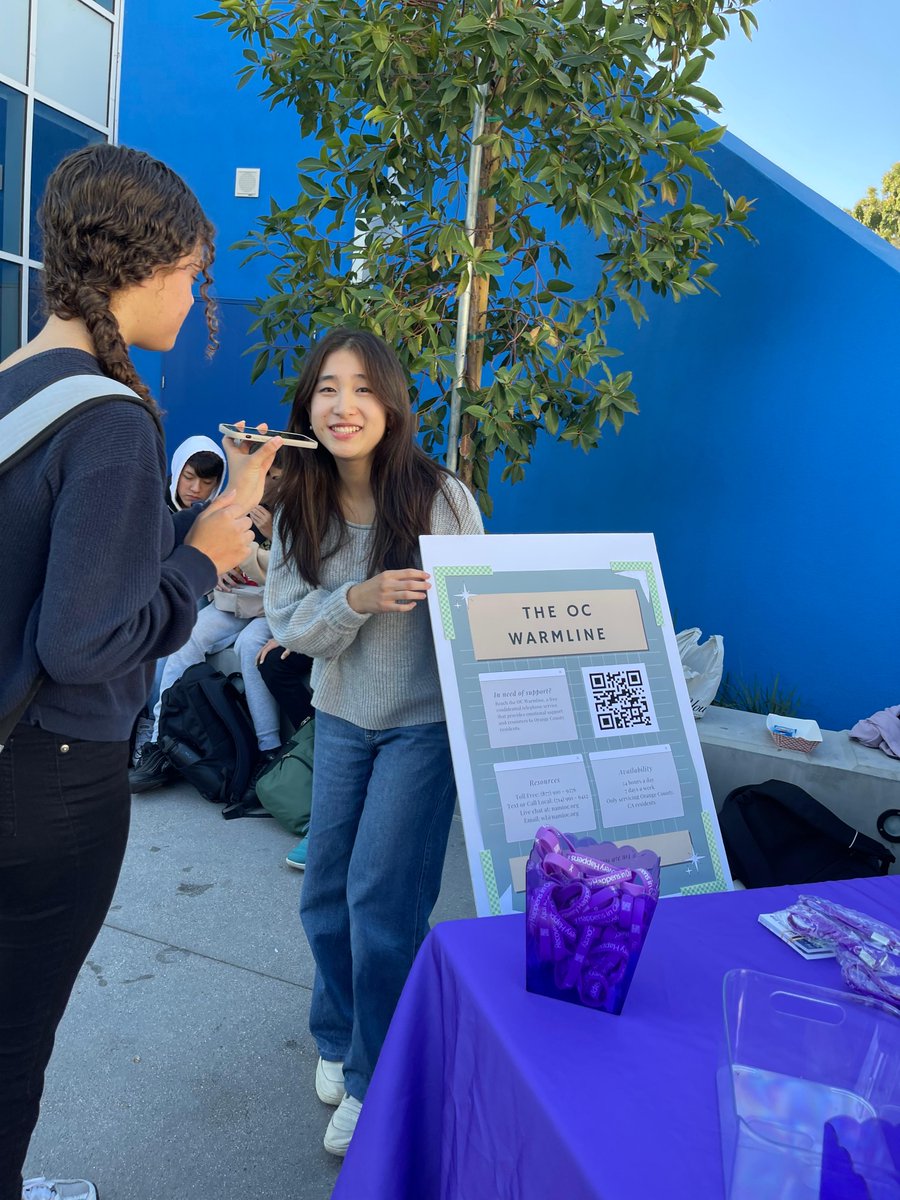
(777,833)
(206,731)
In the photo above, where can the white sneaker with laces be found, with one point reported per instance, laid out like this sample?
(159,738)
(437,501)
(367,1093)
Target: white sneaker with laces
(58,1189)
(330,1081)
(342,1126)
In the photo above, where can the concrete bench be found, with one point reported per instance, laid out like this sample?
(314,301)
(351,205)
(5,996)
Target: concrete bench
(855,782)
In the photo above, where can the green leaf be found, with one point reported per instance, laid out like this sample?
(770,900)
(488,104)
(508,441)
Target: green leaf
(590,115)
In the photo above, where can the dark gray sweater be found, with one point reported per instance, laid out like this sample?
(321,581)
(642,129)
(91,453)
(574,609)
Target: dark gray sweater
(99,584)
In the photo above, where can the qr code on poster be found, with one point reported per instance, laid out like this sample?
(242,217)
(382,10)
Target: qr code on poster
(619,700)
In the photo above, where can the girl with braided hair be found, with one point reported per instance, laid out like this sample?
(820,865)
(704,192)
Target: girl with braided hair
(124,241)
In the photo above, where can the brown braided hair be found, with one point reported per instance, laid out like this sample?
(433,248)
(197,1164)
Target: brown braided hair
(111,216)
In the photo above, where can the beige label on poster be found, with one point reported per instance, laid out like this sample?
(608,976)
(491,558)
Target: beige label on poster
(540,624)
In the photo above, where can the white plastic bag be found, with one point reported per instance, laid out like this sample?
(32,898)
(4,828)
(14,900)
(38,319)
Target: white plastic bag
(702,666)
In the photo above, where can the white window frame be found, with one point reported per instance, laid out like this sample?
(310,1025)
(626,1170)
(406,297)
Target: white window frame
(110,130)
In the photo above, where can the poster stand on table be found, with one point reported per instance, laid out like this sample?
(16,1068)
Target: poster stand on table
(566,706)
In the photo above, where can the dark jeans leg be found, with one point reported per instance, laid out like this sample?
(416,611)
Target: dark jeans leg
(287,680)
(64,812)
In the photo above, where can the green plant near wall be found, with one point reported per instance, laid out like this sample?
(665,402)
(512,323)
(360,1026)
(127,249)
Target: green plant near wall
(756,697)
(882,213)
(585,115)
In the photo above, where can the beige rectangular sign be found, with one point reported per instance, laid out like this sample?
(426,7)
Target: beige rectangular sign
(541,624)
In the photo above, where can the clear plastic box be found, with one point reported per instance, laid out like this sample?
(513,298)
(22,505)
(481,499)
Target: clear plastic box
(796,1056)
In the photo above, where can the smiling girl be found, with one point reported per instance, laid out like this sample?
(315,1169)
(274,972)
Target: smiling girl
(346,587)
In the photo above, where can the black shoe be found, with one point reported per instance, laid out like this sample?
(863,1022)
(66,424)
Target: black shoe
(249,805)
(153,770)
(265,760)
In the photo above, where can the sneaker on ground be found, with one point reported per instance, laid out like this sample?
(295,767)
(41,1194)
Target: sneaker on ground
(142,735)
(152,771)
(330,1081)
(58,1189)
(297,857)
(342,1126)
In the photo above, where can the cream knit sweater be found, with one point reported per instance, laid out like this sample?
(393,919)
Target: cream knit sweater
(377,671)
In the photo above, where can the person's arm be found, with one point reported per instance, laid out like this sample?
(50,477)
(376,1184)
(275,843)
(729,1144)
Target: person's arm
(109,603)
(184,519)
(313,621)
(256,564)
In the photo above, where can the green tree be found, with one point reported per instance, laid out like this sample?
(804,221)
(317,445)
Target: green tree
(882,213)
(589,118)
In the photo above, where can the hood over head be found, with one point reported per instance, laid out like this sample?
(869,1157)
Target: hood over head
(188,448)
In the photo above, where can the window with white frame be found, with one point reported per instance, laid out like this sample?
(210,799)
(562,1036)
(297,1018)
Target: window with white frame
(58,91)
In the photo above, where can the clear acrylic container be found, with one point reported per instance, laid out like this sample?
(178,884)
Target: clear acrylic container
(795,1056)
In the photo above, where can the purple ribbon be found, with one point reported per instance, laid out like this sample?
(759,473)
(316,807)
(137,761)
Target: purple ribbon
(862,946)
(586,917)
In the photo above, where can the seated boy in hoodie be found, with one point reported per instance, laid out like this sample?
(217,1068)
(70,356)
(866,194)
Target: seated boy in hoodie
(198,472)
(215,629)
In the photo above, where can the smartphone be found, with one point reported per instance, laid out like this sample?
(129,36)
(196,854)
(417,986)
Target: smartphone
(250,433)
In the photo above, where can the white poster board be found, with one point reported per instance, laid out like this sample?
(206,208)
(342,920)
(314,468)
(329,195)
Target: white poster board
(566,706)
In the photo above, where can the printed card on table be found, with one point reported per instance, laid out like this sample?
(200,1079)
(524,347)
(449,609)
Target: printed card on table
(566,705)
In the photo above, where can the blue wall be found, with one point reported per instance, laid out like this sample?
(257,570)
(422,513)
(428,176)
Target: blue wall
(764,458)
(765,455)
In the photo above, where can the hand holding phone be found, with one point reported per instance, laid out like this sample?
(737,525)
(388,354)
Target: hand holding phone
(246,471)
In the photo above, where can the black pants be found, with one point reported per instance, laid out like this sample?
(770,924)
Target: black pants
(288,681)
(64,812)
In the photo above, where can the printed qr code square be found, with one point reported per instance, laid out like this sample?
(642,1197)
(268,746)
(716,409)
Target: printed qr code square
(619,700)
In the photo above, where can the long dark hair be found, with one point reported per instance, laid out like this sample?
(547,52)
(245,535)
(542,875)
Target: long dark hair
(404,480)
(111,216)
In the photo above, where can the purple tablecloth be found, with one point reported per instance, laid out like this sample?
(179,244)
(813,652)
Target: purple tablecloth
(485,1092)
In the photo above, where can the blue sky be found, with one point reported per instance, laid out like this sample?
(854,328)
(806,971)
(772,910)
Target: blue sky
(817,90)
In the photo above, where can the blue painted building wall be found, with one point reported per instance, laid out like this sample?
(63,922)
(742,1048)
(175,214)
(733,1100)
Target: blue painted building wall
(765,456)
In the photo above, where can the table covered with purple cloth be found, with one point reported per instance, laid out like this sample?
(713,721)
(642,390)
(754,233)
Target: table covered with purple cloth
(484,1091)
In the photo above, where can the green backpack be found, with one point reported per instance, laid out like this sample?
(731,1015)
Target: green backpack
(285,790)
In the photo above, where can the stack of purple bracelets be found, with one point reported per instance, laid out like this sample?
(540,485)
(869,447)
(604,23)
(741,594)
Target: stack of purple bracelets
(587,918)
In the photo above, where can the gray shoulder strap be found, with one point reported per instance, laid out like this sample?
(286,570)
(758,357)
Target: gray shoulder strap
(32,417)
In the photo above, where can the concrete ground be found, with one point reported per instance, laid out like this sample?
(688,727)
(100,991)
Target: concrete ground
(183,1068)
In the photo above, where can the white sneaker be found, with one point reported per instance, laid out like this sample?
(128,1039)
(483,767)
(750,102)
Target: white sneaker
(58,1189)
(330,1081)
(342,1125)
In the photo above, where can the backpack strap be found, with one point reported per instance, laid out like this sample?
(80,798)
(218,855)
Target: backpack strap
(28,426)
(36,419)
(799,802)
(243,768)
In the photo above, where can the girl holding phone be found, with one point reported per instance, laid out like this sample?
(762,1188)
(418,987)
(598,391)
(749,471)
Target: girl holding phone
(96,600)
(346,587)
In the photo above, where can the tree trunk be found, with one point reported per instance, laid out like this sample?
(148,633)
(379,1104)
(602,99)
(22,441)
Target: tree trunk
(484,240)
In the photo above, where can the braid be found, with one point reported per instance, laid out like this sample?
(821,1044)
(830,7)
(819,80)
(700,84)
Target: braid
(93,308)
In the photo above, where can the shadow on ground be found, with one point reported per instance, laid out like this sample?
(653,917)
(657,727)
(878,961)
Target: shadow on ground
(183,1067)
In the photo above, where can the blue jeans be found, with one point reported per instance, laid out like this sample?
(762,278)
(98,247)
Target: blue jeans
(382,805)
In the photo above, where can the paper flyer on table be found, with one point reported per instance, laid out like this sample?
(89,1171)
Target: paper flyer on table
(566,705)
